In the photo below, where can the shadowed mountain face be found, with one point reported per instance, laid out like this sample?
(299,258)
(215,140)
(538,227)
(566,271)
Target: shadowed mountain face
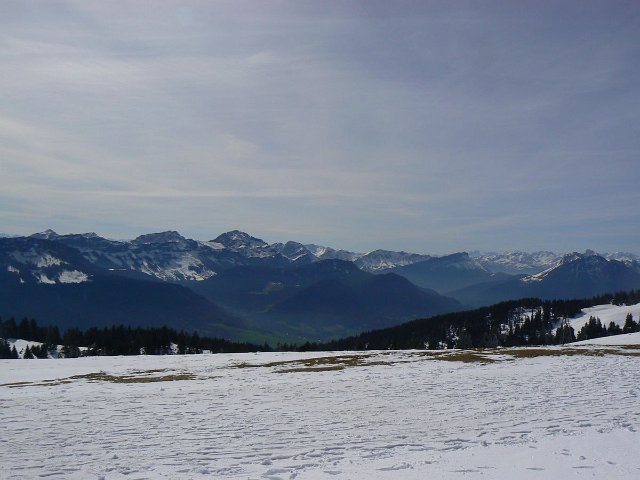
(374,302)
(258,288)
(241,287)
(56,284)
(106,301)
(323,299)
(168,256)
(85,280)
(442,274)
(574,276)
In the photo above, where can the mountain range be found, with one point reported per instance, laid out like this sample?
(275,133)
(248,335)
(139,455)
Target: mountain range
(241,287)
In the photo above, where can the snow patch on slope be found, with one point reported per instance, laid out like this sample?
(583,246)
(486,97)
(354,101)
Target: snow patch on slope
(517,262)
(606,313)
(183,267)
(32,257)
(72,276)
(43,278)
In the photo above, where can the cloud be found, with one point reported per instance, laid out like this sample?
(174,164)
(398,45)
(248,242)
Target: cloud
(424,125)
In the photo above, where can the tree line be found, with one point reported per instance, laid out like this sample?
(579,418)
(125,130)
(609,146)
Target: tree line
(529,321)
(115,340)
(594,328)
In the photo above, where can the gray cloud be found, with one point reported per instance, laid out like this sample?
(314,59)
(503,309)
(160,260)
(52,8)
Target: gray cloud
(427,126)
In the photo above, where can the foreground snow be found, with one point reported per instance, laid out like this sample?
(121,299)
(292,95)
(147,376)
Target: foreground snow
(520,413)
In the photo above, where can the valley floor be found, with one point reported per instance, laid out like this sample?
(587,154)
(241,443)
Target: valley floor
(540,413)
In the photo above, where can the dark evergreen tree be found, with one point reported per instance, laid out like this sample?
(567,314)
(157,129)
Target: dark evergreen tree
(592,329)
(6,351)
(464,340)
(27,352)
(565,334)
(70,351)
(614,329)
(630,325)
(24,329)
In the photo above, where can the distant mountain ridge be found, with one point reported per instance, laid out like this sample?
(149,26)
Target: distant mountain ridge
(236,283)
(249,289)
(575,275)
(446,273)
(169,256)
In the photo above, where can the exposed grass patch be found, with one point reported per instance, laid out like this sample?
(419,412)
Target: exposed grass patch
(510,354)
(147,372)
(567,352)
(137,376)
(16,384)
(465,357)
(318,364)
(105,377)
(312,369)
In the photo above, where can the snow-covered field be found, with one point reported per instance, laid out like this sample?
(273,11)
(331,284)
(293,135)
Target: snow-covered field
(541,413)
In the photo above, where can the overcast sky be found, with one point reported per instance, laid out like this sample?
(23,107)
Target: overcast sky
(425,126)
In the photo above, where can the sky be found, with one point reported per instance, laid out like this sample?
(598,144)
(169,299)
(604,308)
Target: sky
(425,126)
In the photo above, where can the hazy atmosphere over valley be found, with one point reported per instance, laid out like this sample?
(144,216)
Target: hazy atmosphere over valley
(430,127)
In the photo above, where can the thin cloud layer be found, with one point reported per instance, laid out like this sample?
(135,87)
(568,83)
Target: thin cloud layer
(424,126)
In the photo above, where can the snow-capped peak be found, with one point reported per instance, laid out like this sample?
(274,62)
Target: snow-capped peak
(588,261)
(384,259)
(46,235)
(328,253)
(170,236)
(236,240)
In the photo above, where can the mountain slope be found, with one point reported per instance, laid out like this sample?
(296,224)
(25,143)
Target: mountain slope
(106,301)
(445,273)
(32,260)
(320,300)
(574,276)
(336,307)
(381,260)
(255,289)
(168,256)
(55,283)
(517,263)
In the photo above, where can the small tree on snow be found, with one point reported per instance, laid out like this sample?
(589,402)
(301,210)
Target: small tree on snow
(629,325)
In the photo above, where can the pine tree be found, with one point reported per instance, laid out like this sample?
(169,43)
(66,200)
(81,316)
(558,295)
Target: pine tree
(614,329)
(629,325)
(464,340)
(5,349)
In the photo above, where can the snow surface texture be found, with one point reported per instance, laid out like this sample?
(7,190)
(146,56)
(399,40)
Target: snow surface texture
(560,412)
